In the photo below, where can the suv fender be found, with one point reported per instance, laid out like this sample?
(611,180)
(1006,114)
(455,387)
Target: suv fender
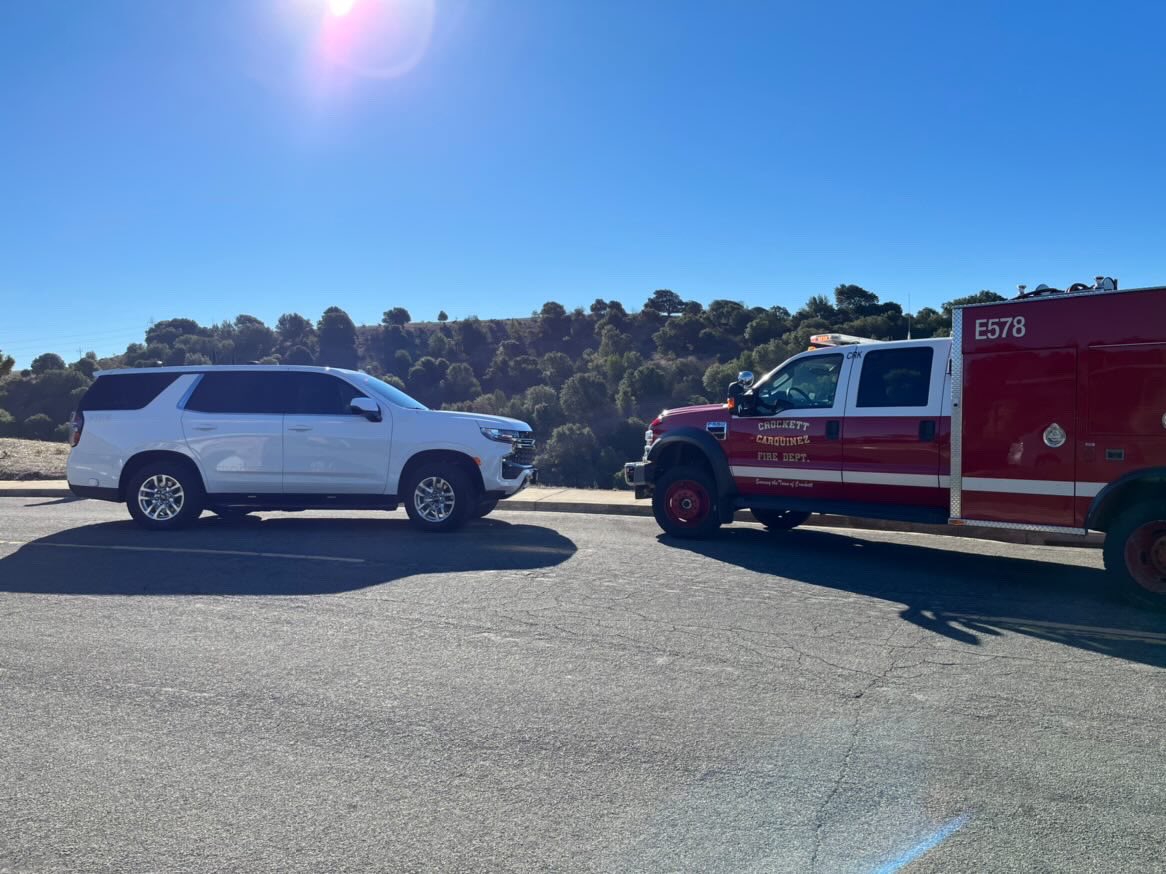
(692,446)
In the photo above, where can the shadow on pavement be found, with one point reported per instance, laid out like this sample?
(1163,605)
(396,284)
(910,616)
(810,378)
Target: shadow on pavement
(273,556)
(962,596)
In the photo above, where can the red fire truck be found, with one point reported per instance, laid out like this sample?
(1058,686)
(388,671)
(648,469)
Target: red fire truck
(1043,413)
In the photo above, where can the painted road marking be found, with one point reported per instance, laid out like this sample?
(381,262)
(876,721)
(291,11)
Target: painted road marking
(188,550)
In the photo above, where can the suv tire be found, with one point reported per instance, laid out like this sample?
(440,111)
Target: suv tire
(780,520)
(165,496)
(685,503)
(485,508)
(439,497)
(1135,553)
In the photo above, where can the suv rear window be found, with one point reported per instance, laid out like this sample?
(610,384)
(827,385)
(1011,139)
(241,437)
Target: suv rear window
(125,391)
(247,391)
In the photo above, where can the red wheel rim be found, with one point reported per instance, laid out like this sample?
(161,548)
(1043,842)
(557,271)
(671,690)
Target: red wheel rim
(1146,556)
(687,502)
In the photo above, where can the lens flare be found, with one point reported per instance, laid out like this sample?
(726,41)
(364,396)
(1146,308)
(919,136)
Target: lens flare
(340,8)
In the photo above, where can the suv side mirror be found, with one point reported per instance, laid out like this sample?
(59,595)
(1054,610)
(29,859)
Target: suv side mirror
(366,407)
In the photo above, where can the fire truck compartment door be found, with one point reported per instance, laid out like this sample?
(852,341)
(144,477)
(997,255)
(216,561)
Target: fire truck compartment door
(1020,436)
(891,445)
(796,452)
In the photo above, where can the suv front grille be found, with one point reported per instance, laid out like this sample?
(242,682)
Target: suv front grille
(523,451)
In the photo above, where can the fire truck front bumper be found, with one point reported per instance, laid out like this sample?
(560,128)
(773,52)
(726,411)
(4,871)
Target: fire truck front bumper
(640,476)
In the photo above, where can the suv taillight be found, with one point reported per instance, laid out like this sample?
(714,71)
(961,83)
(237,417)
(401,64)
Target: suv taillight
(77,424)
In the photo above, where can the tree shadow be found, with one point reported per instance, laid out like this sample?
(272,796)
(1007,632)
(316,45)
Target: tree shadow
(270,556)
(960,595)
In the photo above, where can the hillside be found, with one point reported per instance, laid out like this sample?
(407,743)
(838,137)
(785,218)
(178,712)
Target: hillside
(588,381)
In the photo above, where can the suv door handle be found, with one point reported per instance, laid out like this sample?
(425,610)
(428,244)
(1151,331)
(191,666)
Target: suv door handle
(206,427)
(927,430)
(832,429)
(299,427)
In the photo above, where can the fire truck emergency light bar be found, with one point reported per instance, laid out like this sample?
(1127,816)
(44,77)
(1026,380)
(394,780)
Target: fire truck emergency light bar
(819,340)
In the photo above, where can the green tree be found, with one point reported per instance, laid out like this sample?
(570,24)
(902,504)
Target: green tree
(459,384)
(557,368)
(337,339)
(298,355)
(442,317)
(295,330)
(397,316)
(7,362)
(666,301)
(569,456)
(253,339)
(584,397)
(38,427)
(8,427)
(48,361)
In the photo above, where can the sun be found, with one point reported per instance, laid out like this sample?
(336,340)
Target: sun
(340,8)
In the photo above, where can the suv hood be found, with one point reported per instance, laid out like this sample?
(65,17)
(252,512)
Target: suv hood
(486,421)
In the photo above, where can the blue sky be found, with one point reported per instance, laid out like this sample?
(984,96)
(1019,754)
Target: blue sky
(484,156)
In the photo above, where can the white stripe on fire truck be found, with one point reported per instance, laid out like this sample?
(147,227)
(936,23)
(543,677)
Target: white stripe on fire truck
(802,473)
(921,480)
(1060,488)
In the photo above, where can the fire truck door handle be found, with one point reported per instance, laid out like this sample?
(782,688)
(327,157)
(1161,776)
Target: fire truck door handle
(832,429)
(927,430)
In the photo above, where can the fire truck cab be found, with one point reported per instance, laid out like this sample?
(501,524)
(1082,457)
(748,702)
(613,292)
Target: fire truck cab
(1044,413)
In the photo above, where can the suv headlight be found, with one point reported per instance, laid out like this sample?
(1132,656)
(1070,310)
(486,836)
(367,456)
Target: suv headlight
(502,435)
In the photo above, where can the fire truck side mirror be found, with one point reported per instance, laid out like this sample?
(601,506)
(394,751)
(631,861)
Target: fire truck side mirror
(745,377)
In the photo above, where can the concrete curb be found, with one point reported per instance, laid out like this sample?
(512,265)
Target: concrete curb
(625,507)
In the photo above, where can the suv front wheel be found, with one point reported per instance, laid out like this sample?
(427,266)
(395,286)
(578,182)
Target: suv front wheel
(164,496)
(439,497)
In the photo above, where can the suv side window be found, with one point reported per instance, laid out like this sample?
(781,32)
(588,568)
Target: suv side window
(319,394)
(808,384)
(245,391)
(895,378)
(125,391)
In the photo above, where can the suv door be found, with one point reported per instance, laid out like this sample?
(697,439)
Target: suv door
(329,449)
(789,442)
(892,434)
(233,424)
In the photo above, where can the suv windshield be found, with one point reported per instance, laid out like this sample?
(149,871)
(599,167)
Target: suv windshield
(389,393)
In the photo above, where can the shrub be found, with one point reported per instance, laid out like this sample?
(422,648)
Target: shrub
(38,427)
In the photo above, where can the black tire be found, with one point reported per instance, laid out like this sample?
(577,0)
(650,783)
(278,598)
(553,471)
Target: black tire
(485,508)
(780,520)
(439,497)
(165,496)
(1135,554)
(686,504)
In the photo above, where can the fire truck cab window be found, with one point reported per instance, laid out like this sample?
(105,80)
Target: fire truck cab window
(895,378)
(806,384)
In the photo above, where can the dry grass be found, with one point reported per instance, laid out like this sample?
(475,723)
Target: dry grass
(32,459)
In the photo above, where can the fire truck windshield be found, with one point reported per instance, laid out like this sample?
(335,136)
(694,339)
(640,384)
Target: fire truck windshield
(803,383)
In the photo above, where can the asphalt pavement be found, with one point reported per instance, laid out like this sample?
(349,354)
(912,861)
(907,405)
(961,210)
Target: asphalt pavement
(544,691)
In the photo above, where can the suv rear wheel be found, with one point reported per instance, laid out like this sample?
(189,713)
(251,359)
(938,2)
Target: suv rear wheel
(685,503)
(780,520)
(164,496)
(1135,553)
(439,497)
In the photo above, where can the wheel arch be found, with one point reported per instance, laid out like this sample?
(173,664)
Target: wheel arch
(442,456)
(700,449)
(1148,484)
(141,459)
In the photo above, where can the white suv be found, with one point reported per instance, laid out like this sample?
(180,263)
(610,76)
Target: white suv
(173,441)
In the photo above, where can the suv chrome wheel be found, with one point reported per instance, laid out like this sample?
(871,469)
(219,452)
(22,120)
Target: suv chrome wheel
(161,497)
(434,499)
